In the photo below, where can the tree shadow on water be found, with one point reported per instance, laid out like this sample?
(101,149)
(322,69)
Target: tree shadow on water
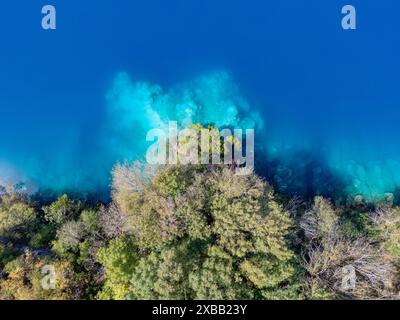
(301,173)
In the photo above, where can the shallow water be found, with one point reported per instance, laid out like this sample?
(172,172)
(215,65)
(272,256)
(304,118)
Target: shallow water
(328,99)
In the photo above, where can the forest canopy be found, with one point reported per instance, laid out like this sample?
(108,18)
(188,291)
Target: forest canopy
(196,232)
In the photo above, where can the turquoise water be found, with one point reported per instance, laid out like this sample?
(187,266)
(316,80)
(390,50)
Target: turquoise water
(325,102)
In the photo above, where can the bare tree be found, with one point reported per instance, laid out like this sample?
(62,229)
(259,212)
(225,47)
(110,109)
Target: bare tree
(131,177)
(329,254)
(112,221)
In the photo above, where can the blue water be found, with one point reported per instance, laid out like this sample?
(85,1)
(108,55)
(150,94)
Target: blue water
(325,101)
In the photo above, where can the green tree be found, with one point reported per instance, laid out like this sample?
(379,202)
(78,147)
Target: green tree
(119,259)
(18,217)
(61,210)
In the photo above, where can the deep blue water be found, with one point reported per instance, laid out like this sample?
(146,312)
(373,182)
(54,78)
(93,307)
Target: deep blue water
(328,99)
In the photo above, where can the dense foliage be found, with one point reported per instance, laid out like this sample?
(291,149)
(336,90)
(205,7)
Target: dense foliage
(196,232)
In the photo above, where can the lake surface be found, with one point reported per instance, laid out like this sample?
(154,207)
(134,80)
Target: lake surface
(328,99)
